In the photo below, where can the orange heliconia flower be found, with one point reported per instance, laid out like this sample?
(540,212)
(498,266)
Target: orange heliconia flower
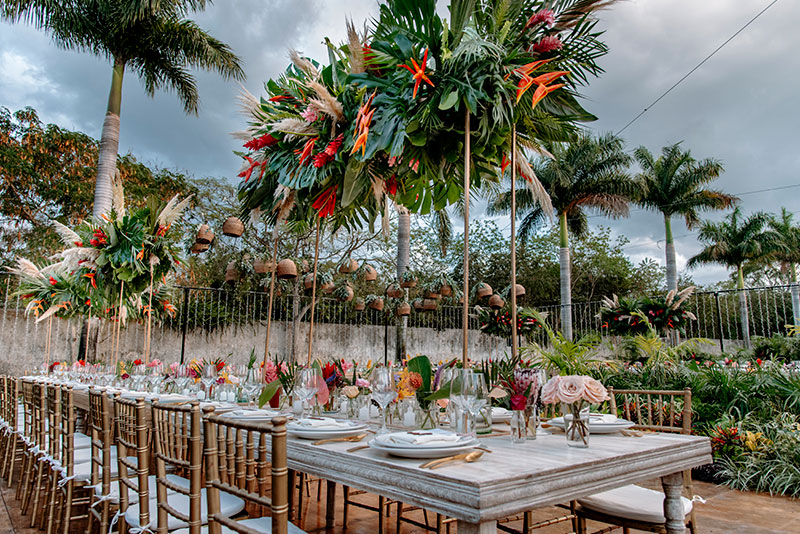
(419,72)
(307,148)
(544,90)
(91,276)
(363,120)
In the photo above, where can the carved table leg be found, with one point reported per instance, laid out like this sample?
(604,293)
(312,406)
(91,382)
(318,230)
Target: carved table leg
(673,508)
(487,527)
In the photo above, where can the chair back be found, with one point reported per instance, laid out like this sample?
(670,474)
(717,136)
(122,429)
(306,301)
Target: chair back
(53,415)
(99,430)
(67,429)
(178,444)
(656,410)
(237,456)
(27,407)
(10,401)
(130,420)
(38,418)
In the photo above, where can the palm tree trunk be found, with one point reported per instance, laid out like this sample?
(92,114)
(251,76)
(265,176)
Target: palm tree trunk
(745,316)
(403,251)
(672,267)
(109,144)
(566,282)
(795,294)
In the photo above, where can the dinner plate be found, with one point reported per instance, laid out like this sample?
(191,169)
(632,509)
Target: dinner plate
(300,431)
(253,415)
(385,440)
(421,452)
(598,424)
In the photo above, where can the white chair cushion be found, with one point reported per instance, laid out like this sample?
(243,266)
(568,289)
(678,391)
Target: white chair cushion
(133,496)
(261,524)
(81,441)
(229,506)
(83,471)
(632,502)
(81,456)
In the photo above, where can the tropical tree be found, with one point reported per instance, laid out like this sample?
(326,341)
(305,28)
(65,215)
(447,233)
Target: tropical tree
(589,173)
(786,234)
(734,242)
(674,184)
(154,39)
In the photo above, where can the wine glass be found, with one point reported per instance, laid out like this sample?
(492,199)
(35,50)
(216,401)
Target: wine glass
(306,387)
(383,391)
(475,396)
(462,394)
(209,378)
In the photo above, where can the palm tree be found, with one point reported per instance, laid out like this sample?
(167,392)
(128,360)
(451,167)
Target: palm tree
(674,185)
(154,39)
(588,173)
(734,242)
(786,235)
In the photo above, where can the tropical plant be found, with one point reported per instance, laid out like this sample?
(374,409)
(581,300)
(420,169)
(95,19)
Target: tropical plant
(786,234)
(589,173)
(629,316)
(498,322)
(734,242)
(563,356)
(674,184)
(154,39)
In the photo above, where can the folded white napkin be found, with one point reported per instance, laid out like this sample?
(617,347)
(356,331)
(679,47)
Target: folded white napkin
(499,412)
(323,422)
(252,413)
(423,438)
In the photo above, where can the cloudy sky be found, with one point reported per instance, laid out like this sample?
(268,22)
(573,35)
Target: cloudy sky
(740,107)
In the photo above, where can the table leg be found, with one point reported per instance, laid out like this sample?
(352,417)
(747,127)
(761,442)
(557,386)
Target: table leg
(673,508)
(330,504)
(291,481)
(487,527)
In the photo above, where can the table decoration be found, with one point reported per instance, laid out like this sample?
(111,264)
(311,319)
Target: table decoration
(523,386)
(383,392)
(324,428)
(418,379)
(575,393)
(435,443)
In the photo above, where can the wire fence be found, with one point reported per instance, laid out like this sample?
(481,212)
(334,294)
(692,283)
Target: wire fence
(218,321)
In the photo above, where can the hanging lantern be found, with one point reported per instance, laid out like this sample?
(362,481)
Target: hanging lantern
(519,290)
(197,248)
(287,270)
(429,304)
(233,227)
(205,235)
(376,304)
(349,266)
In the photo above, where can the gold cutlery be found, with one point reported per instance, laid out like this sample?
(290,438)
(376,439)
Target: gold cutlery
(358,437)
(360,447)
(632,433)
(468,457)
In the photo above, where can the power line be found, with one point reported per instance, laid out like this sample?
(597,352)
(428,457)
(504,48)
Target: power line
(676,84)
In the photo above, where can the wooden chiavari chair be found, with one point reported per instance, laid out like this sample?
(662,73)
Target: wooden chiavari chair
(12,434)
(27,438)
(178,445)
(634,507)
(246,459)
(133,456)
(34,495)
(100,430)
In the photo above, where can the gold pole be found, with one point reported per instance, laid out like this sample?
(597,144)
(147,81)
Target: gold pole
(313,294)
(47,345)
(465,314)
(119,323)
(271,293)
(514,340)
(148,329)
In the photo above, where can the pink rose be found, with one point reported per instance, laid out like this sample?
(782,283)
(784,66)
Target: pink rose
(594,391)
(571,388)
(550,391)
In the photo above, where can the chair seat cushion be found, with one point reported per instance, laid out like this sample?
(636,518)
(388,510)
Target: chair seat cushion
(81,441)
(261,524)
(229,506)
(632,502)
(83,471)
(133,496)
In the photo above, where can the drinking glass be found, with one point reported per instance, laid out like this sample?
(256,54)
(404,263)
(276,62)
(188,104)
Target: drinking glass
(476,396)
(383,392)
(209,378)
(305,387)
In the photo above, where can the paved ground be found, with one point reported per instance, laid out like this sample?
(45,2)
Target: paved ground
(725,512)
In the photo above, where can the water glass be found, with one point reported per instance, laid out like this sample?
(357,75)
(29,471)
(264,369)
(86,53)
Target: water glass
(306,387)
(383,391)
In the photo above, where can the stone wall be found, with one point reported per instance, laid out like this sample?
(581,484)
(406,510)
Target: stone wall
(24,342)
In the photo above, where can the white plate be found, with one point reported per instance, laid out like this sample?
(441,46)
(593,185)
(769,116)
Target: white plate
(315,433)
(418,452)
(384,440)
(253,415)
(344,424)
(597,424)
(501,415)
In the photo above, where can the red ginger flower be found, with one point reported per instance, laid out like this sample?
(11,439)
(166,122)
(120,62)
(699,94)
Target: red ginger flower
(546,44)
(53,281)
(334,145)
(325,202)
(390,185)
(260,142)
(544,16)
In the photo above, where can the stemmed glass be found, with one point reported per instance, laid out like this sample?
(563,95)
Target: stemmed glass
(462,395)
(209,378)
(475,397)
(383,392)
(306,387)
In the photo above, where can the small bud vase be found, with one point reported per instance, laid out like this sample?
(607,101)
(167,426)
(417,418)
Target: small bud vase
(519,428)
(576,423)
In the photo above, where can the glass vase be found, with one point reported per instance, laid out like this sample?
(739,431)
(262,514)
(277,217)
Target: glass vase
(531,421)
(518,426)
(576,423)
(483,421)
(429,416)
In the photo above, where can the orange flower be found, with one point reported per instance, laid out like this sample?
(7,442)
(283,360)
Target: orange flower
(544,90)
(91,276)
(140,254)
(504,164)
(361,142)
(306,152)
(419,72)
(527,69)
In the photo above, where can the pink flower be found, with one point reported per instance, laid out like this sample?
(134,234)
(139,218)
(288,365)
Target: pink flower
(309,114)
(270,372)
(518,402)
(547,44)
(571,388)
(362,383)
(550,391)
(544,16)
(594,392)
(154,363)
(346,366)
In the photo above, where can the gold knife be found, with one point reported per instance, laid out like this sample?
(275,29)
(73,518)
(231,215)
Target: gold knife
(358,437)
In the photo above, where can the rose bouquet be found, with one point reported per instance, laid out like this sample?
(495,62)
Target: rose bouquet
(575,393)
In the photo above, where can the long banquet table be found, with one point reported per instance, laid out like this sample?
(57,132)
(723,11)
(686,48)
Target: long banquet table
(512,479)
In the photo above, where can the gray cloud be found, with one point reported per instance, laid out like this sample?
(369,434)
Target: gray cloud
(739,107)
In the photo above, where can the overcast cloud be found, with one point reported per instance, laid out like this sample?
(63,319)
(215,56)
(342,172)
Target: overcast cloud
(740,107)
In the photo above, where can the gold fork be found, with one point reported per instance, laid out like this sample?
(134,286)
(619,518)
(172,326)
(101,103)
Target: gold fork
(358,437)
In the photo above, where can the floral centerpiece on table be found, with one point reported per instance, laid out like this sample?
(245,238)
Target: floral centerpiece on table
(278,377)
(575,393)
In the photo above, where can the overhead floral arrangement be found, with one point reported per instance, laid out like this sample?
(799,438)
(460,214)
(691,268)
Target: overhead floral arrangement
(498,322)
(631,316)
(124,256)
(385,119)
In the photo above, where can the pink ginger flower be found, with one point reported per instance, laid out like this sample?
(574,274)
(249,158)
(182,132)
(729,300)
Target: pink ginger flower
(309,114)
(545,16)
(346,366)
(270,372)
(547,44)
